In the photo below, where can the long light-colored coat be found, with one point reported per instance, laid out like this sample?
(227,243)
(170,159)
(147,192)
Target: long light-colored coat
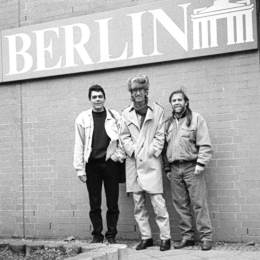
(143,148)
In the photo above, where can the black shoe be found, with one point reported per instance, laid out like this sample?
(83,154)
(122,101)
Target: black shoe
(206,245)
(165,245)
(184,243)
(97,239)
(144,244)
(111,240)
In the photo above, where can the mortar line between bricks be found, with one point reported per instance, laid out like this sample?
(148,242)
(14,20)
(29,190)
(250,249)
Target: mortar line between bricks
(1,61)
(22,156)
(19,12)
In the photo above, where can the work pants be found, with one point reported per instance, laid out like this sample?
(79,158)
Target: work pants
(142,217)
(99,172)
(189,191)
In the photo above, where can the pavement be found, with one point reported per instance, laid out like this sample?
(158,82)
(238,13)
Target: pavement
(125,250)
(153,253)
(218,252)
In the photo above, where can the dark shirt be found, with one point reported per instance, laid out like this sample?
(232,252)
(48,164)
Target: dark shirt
(100,139)
(142,117)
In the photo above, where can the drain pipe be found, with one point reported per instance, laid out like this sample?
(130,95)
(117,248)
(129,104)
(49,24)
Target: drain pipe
(22,156)
(21,129)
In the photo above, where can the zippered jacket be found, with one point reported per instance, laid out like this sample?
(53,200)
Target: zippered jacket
(188,143)
(84,127)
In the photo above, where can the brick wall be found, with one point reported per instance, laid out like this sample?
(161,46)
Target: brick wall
(37,135)
(11,199)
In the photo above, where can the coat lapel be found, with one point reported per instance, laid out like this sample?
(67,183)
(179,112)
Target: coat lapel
(133,118)
(143,132)
(149,116)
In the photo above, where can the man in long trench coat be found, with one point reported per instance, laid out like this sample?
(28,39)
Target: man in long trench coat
(142,135)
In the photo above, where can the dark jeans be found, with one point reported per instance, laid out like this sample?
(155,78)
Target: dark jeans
(98,172)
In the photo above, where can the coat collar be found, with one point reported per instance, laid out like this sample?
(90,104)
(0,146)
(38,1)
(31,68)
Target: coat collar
(149,104)
(133,116)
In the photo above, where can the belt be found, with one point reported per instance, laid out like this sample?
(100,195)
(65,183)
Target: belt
(99,160)
(183,161)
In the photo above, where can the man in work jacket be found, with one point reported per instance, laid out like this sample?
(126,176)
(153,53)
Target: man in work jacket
(142,136)
(95,153)
(188,152)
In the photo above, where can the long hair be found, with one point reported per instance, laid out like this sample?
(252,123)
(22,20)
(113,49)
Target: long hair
(188,111)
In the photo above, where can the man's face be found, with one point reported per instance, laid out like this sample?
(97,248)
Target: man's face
(138,93)
(178,104)
(97,100)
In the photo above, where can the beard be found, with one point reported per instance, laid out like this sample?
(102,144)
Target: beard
(179,109)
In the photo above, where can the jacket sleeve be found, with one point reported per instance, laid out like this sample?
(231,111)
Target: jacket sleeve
(126,139)
(159,137)
(78,160)
(166,164)
(119,152)
(203,142)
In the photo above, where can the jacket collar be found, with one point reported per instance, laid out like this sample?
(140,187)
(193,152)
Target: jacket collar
(108,114)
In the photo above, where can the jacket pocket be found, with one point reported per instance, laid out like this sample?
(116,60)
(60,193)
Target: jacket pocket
(189,133)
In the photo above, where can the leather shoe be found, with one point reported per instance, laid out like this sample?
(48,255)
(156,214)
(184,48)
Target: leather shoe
(144,244)
(206,245)
(97,239)
(184,243)
(111,240)
(165,245)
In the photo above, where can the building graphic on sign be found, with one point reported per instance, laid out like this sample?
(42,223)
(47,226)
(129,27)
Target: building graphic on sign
(238,16)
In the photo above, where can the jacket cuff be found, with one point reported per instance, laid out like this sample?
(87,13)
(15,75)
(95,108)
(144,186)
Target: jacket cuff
(157,153)
(200,164)
(167,168)
(81,173)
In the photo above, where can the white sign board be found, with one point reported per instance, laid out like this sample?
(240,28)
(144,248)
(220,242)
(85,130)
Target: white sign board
(155,32)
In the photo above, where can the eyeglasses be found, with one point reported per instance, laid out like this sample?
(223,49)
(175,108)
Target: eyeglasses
(135,90)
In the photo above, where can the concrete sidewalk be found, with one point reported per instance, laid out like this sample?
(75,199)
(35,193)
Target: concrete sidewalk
(125,250)
(193,253)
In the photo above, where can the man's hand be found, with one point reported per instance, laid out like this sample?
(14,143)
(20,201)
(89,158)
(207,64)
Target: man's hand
(83,178)
(168,174)
(120,159)
(113,157)
(198,169)
(150,151)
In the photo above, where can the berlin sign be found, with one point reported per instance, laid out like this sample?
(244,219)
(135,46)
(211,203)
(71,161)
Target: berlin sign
(155,32)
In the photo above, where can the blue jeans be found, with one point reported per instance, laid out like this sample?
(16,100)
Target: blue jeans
(189,192)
